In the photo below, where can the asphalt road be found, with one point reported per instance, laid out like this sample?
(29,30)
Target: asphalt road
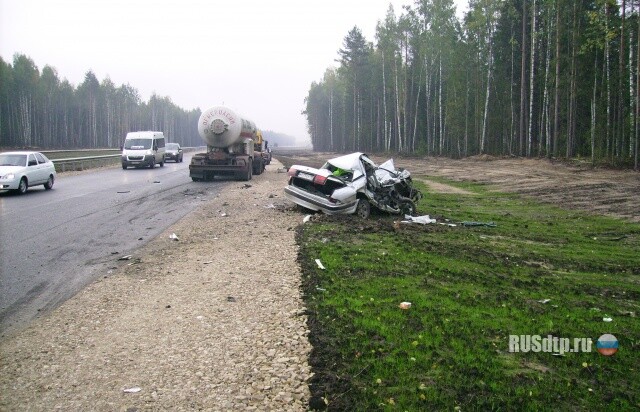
(53,243)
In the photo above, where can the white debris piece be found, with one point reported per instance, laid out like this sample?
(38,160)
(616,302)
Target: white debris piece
(423,220)
(135,389)
(306,219)
(320,265)
(173,236)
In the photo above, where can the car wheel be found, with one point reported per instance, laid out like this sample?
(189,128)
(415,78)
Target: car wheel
(407,207)
(363,209)
(23,186)
(49,183)
(180,159)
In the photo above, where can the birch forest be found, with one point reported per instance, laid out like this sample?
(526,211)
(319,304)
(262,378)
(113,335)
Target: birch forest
(38,109)
(530,78)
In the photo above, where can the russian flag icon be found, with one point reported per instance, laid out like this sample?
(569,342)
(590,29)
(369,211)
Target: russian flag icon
(607,344)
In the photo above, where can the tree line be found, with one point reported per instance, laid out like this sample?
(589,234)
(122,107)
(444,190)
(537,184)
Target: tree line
(38,109)
(534,78)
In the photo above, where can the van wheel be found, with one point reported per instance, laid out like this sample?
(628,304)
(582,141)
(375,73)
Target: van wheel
(162,164)
(152,164)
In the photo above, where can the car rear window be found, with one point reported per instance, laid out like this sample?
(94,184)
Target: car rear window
(41,158)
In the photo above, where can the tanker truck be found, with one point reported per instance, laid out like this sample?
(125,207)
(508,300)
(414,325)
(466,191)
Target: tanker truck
(230,146)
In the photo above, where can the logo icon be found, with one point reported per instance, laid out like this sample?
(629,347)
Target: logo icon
(607,344)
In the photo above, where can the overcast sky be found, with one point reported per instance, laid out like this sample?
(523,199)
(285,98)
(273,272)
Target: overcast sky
(257,57)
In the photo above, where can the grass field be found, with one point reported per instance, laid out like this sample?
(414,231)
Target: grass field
(540,271)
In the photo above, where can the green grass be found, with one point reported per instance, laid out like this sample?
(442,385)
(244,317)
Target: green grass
(470,288)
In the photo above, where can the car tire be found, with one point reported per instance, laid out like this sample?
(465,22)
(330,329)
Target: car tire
(407,207)
(23,186)
(49,183)
(363,209)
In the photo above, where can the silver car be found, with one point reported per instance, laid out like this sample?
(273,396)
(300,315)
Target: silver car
(21,170)
(352,184)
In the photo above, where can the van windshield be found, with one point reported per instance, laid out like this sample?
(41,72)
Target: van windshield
(137,144)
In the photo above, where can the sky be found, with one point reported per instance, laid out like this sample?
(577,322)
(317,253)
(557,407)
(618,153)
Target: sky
(256,57)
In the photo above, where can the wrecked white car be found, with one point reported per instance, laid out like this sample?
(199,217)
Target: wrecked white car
(352,184)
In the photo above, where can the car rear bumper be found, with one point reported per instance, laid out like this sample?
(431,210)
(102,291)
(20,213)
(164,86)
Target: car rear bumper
(318,203)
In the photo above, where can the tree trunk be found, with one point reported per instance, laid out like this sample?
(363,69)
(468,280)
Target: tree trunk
(523,91)
(531,77)
(556,106)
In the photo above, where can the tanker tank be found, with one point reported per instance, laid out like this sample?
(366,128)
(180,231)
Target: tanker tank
(221,127)
(231,146)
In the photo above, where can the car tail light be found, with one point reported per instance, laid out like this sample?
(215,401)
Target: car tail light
(292,172)
(319,180)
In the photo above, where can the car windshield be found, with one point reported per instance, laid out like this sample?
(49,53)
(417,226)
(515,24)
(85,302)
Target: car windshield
(172,146)
(13,160)
(137,144)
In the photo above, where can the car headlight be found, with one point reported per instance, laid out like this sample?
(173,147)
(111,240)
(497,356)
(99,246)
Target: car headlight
(8,176)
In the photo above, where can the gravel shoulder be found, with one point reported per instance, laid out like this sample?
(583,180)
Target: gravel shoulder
(211,321)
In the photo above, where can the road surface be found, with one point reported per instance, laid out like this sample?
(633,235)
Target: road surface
(56,242)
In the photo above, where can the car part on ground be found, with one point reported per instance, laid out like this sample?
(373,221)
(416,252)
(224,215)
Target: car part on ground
(352,184)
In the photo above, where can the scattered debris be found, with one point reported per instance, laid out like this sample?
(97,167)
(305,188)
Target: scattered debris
(320,265)
(156,181)
(173,236)
(423,220)
(627,313)
(607,319)
(246,186)
(127,257)
(321,289)
(270,206)
(472,224)
(124,191)
(135,389)
(306,219)
(208,262)
(543,301)
(404,305)
(231,299)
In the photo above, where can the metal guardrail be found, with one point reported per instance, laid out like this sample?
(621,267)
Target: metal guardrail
(82,163)
(90,162)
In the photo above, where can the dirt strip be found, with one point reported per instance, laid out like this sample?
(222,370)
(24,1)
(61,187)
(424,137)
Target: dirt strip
(211,321)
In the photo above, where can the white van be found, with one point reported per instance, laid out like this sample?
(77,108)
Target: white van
(143,149)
